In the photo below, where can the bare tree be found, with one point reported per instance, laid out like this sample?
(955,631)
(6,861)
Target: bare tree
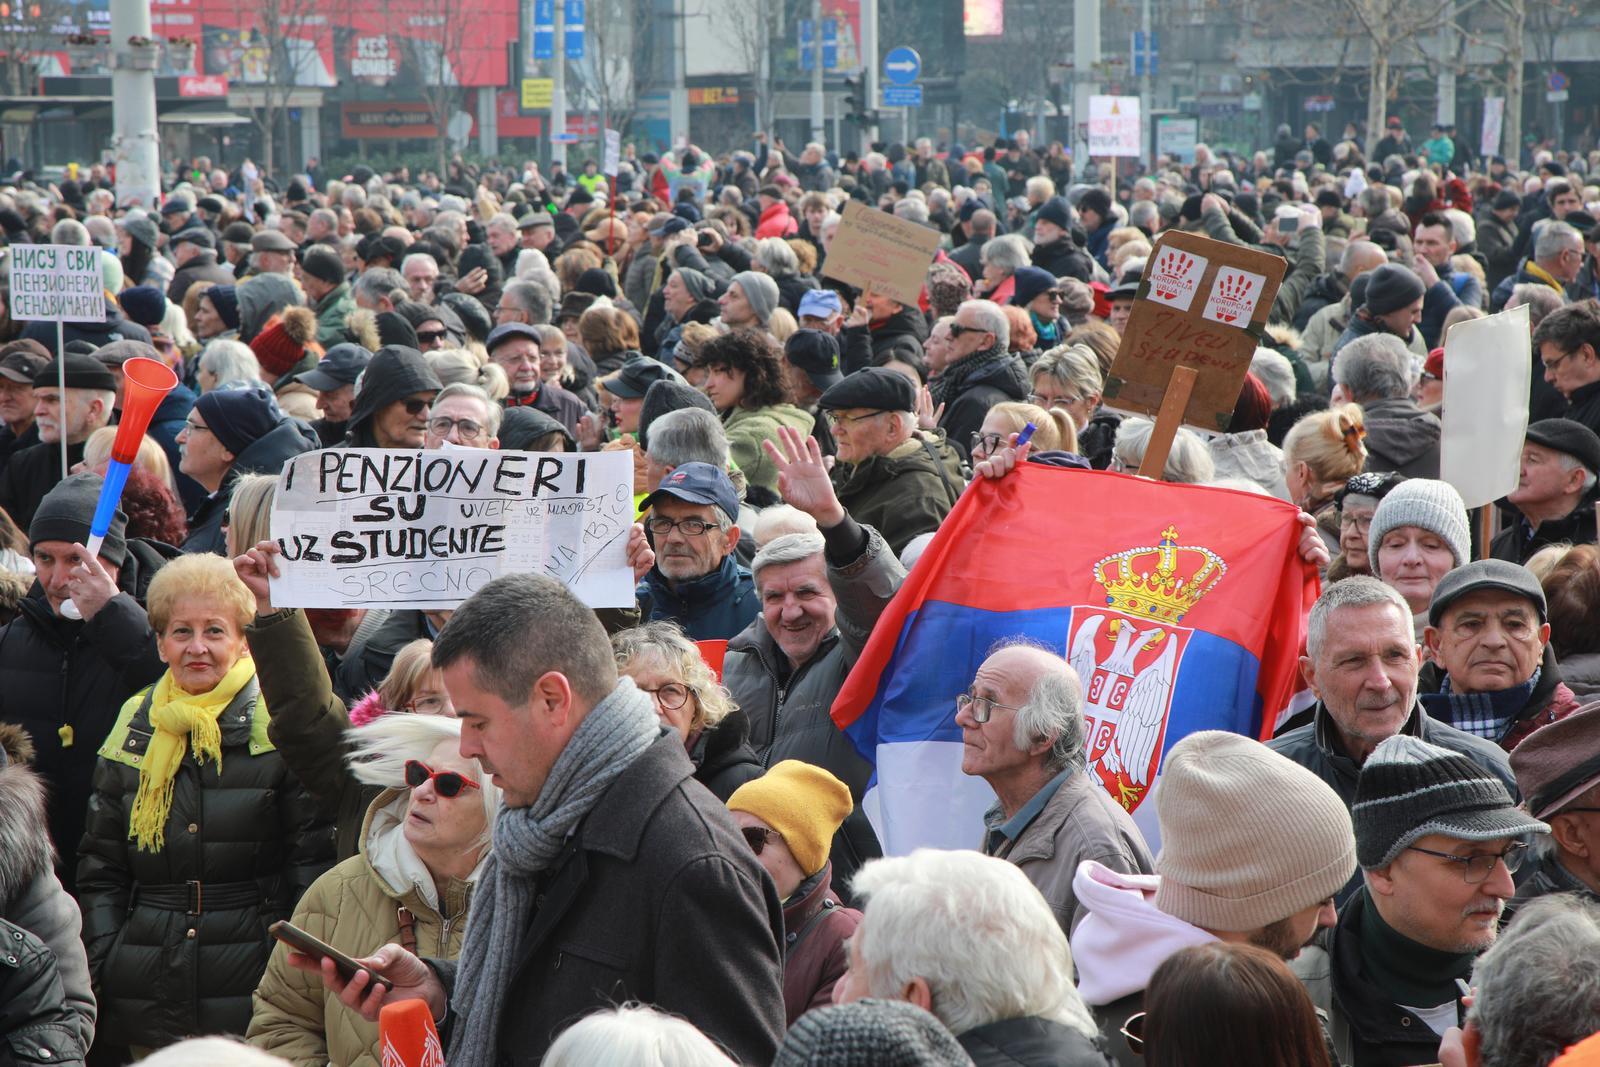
(436,31)
(28,29)
(616,52)
(275,50)
(755,24)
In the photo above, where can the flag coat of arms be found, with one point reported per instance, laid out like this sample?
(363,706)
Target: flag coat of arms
(1179,607)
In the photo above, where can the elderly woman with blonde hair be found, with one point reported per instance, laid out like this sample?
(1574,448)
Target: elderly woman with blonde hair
(669,667)
(422,846)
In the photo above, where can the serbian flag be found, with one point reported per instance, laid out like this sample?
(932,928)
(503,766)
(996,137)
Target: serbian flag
(1180,608)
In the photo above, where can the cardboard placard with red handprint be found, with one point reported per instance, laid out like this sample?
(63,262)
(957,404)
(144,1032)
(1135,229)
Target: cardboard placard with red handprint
(1175,277)
(1234,296)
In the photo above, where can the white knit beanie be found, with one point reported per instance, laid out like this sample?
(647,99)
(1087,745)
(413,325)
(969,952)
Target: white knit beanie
(1426,502)
(1248,837)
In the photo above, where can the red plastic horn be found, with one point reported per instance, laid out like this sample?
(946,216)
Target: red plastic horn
(406,1035)
(146,382)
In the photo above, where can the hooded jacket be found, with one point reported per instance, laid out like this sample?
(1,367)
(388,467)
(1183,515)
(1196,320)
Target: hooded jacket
(905,493)
(722,757)
(395,373)
(47,1010)
(356,907)
(815,925)
(776,222)
(748,427)
(1402,437)
(1121,940)
(1064,259)
(332,311)
(265,455)
(65,680)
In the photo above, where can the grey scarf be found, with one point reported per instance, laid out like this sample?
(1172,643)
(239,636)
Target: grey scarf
(526,843)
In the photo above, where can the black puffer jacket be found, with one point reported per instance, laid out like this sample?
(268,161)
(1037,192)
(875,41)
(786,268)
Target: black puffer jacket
(265,455)
(861,345)
(722,757)
(994,384)
(60,673)
(1032,1042)
(250,836)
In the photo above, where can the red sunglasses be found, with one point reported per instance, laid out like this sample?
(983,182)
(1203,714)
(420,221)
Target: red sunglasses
(445,783)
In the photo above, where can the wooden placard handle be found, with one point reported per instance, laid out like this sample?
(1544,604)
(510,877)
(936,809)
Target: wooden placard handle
(1168,419)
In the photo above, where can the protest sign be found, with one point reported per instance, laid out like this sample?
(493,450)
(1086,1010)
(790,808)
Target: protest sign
(1201,304)
(61,283)
(613,154)
(394,528)
(877,251)
(1114,126)
(1488,363)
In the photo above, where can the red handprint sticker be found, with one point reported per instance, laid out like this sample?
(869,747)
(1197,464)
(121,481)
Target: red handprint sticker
(1175,278)
(1234,296)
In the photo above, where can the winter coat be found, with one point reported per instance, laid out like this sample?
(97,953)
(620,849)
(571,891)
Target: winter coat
(1584,407)
(776,222)
(722,757)
(815,926)
(177,938)
(792,288)
(713,607)
(361,673)
(748,427)
(905,493)
(1325,289)
(65,679)
(1496,239)
(1543,874)
(1402,437)
(1249,455)
(1064,259)
(1581,673)
(789,708)
(1530,273)
(47,1010)
(1366,1027)
(1119,944)
(1306,260)
(863,346)
(308,725)
(1359,326)
(201,267)
(29,474)
(1549,701)
(654,897)
(1033,1042)
(332,310)
(356,907)
(265,455)
(1079,822)
(965,411)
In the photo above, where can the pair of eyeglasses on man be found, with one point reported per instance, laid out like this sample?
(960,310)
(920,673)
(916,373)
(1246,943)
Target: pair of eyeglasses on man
(756,837)
(956,329)
(416,407)
(662,526)
(428,337)
(445,783)
(980,708)
(467,429)
(1480,865)
(835,418)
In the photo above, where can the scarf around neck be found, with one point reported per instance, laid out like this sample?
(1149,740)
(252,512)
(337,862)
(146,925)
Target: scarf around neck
(1486,715)
(178,717)
(527,842)
(947,386)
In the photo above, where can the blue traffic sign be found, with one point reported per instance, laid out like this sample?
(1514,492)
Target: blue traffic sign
(544,29)
(901,67)
(830,44)
(902,96)
(574,29)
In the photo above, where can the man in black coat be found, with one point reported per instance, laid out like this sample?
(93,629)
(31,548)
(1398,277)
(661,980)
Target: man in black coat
(78,411)
(979,372)
(66,679)
(616,877)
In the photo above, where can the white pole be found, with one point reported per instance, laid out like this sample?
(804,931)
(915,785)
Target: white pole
(61,403)
(558,88)
(133,109)
(1146,87)
(818,131)
(679,106)
(869,62)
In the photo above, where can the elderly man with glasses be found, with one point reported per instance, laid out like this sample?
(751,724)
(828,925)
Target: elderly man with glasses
(1022,731)
(1438,839)
(979,371)
(696,580)
(463,415)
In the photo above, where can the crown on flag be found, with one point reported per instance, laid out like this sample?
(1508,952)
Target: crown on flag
(1161,582)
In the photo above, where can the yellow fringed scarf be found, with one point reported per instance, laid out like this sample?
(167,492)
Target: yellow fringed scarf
(176,715)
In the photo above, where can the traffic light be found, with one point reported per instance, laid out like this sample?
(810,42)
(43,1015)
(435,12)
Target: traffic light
(858,109)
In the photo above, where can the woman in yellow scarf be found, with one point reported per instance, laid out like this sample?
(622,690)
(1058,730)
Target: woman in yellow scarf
(198,835)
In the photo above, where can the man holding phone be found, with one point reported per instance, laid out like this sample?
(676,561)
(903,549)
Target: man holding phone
(615,877)
(1297,230)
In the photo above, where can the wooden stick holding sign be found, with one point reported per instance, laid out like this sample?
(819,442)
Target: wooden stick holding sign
(1197,318)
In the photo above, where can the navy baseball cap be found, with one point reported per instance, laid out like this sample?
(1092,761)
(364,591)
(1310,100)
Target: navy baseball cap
(668,227)
(341,366)
(698,483)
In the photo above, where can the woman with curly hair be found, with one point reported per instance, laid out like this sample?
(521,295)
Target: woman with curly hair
(745,380)
(664,663)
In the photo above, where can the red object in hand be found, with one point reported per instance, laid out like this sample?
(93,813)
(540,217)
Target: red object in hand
(407,1036)
(713,651)
(146,383)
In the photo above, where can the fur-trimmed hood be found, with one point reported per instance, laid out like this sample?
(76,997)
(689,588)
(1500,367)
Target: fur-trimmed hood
(25,849)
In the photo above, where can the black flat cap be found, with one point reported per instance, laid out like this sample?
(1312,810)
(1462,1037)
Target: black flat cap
(1568,437)
(878,388)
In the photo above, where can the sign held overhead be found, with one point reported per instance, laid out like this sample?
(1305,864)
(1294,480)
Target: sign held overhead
(878,251)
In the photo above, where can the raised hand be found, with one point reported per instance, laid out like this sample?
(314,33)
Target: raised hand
(803,480)
(90,584)
(928,416)
(641,557)
(1002,461)
(255,568)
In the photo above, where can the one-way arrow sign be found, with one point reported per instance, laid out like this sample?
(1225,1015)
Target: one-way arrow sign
(902,65)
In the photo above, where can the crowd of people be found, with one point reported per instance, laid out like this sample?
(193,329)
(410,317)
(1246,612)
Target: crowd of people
(578,836)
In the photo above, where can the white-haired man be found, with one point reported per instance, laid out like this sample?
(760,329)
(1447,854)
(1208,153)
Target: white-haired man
(1022,731)
(967,938)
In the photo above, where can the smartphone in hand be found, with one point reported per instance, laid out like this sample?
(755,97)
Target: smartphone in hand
(303,942)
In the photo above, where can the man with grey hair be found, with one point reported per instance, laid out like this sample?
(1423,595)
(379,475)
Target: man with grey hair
(379,289)
(1557,258)
(1555,490)
(966,937)
(1361,663)
(977,225)
(1375,371)
(501,233)
(979,371)
(1537,991)
(820,597)
(523,301)
(696,580)
(69,232)
(686,435)
(1022,731)
(912,209)
(421,273)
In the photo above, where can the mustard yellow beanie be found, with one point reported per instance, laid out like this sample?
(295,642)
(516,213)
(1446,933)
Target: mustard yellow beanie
(805,804)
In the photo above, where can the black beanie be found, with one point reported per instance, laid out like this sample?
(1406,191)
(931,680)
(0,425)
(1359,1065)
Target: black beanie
(1392,287)
(664,396)
(323,264)
(238,418)
(65,512)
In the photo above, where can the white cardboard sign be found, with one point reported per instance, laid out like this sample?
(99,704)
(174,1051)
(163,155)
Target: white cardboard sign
(1114,128)
(1487,366)
(395,528)
(1234,295)
(58,283)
